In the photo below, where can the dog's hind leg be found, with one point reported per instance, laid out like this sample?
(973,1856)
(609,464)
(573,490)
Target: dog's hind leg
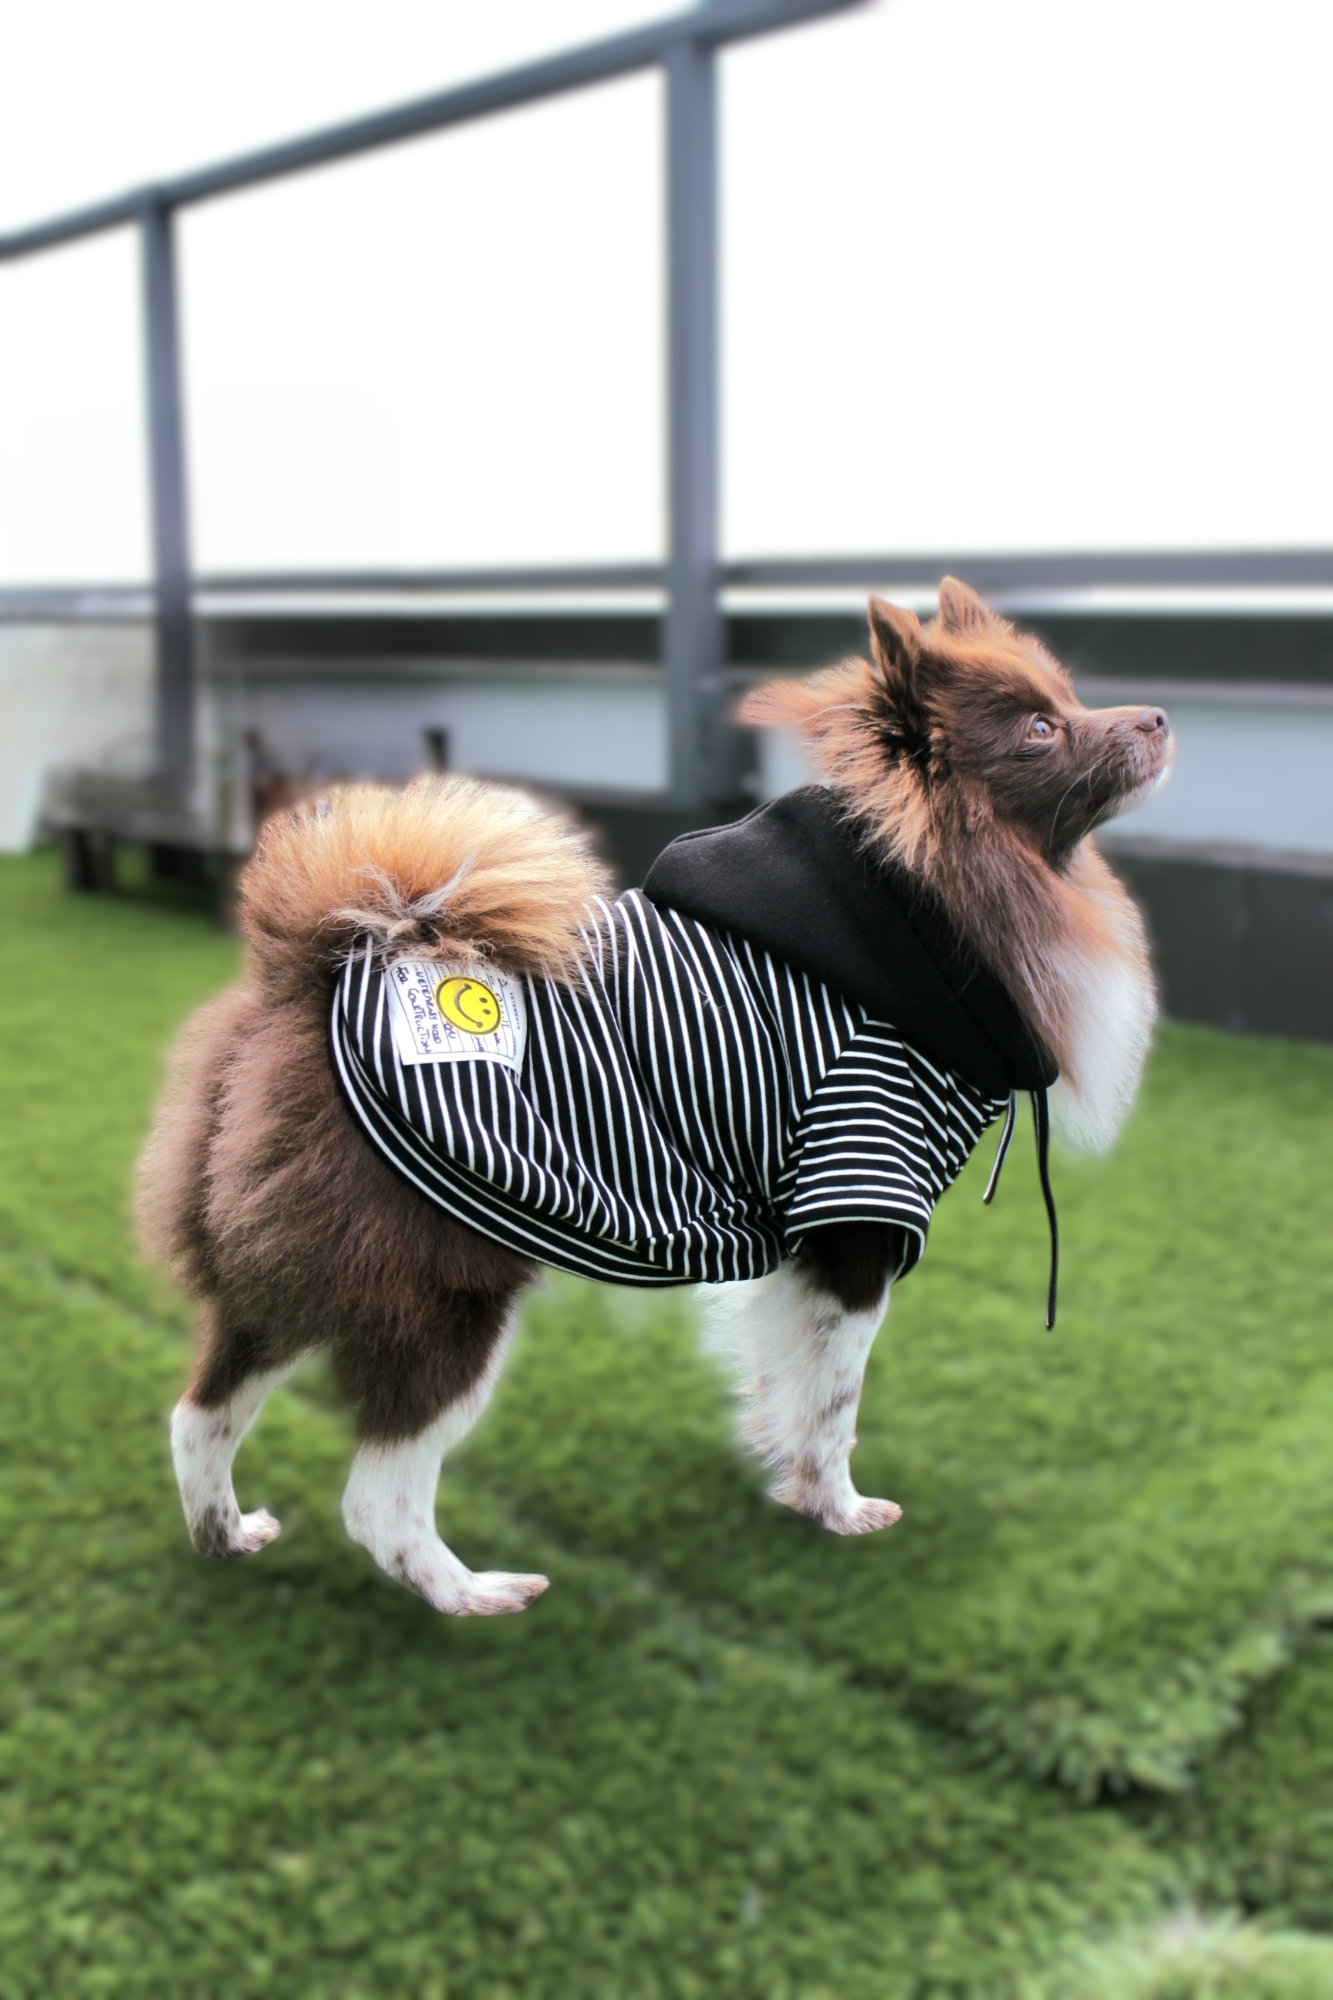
(231,1385)
(418,1398)
(798,1342)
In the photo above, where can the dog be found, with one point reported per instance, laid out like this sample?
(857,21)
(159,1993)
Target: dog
(451,1058)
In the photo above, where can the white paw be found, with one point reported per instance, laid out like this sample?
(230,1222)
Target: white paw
(842,1510)
(864,1517)
(257,1530)
(431,1569)
(493,1592)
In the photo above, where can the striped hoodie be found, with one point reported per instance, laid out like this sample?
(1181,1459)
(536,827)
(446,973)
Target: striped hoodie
(771,1037)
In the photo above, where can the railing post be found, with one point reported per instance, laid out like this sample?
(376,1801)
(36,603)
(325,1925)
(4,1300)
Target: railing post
(175,691)
(692,651)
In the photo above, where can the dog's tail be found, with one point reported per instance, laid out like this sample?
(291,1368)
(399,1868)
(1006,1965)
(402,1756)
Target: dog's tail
(447,867)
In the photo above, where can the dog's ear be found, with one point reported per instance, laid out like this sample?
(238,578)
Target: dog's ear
(895,640)
(962,612)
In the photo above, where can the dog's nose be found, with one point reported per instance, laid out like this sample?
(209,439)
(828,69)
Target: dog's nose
(1152,721)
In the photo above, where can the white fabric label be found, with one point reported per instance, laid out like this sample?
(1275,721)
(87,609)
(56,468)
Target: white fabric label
(450,1013)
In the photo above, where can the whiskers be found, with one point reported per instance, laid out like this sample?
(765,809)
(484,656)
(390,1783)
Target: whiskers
(1106,773)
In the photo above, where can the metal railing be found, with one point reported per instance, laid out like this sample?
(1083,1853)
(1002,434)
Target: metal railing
(1084,583)
(684,47)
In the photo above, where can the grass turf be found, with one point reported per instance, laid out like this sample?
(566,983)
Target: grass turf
(725,1754)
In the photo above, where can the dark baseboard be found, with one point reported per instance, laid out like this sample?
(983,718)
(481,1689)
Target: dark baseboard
(1241,939)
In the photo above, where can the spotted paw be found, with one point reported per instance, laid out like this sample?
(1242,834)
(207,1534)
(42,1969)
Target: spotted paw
(214,1533)
(493,1593)
(843,1512)
(864,1517)
(257,1530)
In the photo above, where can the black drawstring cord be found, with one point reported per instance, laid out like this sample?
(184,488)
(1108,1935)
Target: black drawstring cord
(1041,1114)
(1041,1111)
(1002,1149)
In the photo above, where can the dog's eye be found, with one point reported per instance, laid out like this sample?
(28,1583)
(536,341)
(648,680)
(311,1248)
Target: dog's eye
(1039,727)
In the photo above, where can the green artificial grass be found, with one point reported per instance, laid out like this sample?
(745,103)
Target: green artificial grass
(1186,1959)
(1082,1681)
(1258,1825)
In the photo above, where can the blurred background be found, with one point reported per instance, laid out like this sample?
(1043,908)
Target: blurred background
(445,478)
(390,389)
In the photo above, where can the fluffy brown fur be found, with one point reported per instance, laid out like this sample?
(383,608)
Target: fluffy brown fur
(261,1194)
(446,868)
(256,1188)
(963,754)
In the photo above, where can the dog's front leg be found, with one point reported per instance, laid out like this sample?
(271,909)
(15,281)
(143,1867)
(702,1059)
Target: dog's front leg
(800,1358)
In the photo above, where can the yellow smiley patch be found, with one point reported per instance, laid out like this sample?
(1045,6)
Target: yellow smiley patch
(456,1013)
(468,1004)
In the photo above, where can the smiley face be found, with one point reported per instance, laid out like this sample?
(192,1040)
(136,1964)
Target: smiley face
(469,1005)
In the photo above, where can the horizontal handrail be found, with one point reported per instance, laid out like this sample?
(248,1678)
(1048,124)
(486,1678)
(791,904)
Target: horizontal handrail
(1056,570)
(531,580)
(715,23)
(989,574)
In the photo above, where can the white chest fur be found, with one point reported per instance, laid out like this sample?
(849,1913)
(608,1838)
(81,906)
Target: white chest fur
(1110,1010)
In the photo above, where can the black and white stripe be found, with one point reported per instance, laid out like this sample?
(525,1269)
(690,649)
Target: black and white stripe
(685,1114)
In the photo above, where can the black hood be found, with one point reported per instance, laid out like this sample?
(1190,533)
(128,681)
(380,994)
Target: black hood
(794,879)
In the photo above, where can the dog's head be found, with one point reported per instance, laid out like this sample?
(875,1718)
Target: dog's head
(965,725)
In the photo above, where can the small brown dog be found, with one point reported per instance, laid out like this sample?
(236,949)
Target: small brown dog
(963,780)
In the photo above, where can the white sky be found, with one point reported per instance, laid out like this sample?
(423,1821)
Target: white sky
(997,274)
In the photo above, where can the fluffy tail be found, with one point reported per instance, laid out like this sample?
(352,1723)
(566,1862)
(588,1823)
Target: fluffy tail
(445,868)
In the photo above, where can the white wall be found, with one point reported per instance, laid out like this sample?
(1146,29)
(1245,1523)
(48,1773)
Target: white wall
(1248,772)
(82,695)
(602,727)
(69,694)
